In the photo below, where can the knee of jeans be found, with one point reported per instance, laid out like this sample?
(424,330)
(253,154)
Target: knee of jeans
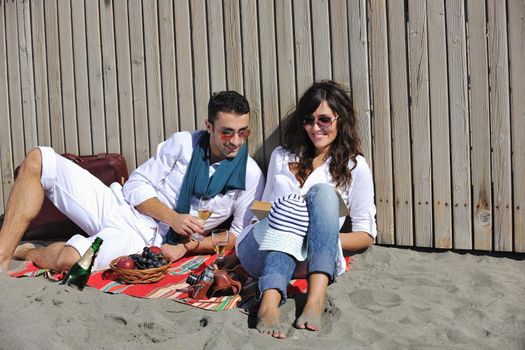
(32,164)
(323,190)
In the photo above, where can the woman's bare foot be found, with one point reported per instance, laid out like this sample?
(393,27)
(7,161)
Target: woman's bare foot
(268,323)
(268,315)
(21,251)
(311,316)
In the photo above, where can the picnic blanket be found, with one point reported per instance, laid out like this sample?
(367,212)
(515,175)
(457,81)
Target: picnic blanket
(172,286)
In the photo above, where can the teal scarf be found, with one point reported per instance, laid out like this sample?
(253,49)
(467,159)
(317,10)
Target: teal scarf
(229,175)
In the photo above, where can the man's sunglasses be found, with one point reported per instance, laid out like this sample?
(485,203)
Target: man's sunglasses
(323,122)
(227,134)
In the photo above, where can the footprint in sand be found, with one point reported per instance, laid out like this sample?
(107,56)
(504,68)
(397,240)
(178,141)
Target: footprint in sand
(375,300)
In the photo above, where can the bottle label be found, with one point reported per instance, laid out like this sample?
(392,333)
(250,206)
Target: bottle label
(85,260)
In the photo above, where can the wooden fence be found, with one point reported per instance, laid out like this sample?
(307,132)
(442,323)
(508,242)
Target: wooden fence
(438,85)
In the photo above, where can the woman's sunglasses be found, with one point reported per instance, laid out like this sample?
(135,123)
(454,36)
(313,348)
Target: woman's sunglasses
(323,122)
(227,134)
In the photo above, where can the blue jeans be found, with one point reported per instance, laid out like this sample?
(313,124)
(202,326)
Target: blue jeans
(275,269)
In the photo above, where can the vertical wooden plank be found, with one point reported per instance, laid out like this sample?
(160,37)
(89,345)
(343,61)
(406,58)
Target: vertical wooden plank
(232,33)
(402,159)
(109,75)
(500,122)
(439,124)
(81,77)
(480,125)
(96,84)
(421,156)
(68,77)
(381,122)
(459,124)
(6,152)
(285,57)
(15,96)
(303,45)
(53,76)
(151,39)
(358,36)
(321,40)
(26,74)
(517,111)
(138,81)
(125,91)
(184,66)
(40,66)
(168,67)
(339,39)
(216,45)
(200,60)
(252,77)
(270,107)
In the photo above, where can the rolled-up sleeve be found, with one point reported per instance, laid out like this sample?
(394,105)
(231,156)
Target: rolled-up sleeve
(142,184)
(242,214)
(361,199)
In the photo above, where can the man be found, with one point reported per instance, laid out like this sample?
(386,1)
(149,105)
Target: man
(159,195)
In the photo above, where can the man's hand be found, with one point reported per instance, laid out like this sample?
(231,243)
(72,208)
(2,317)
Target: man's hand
(185,224)
(173,252)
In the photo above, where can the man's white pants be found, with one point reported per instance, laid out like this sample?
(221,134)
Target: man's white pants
(99,210)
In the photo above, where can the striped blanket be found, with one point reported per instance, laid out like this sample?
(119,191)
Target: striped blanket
(172,286)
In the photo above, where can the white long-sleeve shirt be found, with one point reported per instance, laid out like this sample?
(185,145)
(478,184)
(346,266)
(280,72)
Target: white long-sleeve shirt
(359,196)
(162,175)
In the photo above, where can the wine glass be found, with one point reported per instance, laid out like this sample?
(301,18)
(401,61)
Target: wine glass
(203,213)
(219,239)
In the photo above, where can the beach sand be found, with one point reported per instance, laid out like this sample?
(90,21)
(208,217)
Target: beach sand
(391,299)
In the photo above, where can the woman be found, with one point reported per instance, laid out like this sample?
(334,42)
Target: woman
(320,151)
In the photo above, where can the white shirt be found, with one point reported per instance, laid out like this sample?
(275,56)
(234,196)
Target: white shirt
(162,175)
(359,196)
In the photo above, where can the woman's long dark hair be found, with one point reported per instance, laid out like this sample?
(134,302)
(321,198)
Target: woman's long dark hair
(347,144)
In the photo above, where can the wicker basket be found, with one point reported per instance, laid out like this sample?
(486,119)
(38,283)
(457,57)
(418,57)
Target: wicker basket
(136,276)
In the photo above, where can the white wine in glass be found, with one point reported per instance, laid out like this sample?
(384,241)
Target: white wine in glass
(219,239)
(204,211)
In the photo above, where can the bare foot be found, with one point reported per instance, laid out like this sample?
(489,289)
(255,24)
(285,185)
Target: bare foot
(311,316)
(268,323)
(21,251)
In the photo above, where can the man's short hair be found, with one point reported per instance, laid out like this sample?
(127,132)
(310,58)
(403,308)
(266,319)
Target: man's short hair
(227,102)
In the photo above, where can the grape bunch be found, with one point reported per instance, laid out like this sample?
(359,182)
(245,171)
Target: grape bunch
(150,258)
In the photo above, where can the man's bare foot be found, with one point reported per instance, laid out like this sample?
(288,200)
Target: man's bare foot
(268,323)
(22,250)
(311,316)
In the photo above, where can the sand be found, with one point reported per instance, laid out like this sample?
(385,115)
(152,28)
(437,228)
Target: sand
(391,299)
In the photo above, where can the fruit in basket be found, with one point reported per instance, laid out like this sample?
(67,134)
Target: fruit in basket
(125,263)
(155,250)
(151,257)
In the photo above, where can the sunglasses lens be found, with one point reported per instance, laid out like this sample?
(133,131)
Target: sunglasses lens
(244,134)
(227,134)
(324,122)
(309,120)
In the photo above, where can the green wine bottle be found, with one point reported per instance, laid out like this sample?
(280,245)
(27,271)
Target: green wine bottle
(79,273)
